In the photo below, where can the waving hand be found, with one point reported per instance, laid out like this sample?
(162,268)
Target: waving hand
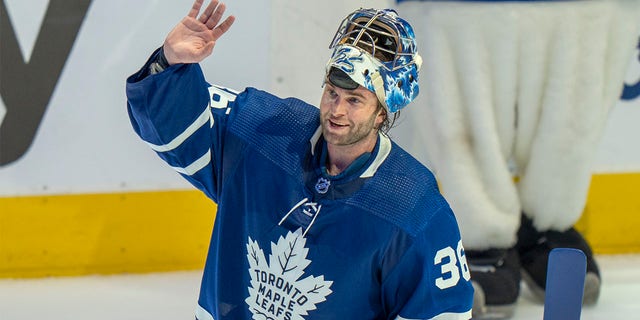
(194,37)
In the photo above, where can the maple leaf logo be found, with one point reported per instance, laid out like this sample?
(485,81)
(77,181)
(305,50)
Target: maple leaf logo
(276,291)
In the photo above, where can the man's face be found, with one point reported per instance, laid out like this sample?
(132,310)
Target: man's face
(349,117)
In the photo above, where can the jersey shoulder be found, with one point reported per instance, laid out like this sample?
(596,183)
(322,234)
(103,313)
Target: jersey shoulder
(403,192)
(277,128)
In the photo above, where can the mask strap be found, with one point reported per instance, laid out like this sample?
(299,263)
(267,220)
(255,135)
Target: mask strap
(378,86)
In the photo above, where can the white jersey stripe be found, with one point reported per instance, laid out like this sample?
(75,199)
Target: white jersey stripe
(196,165)
(445,316)
(204,118)
(383,152)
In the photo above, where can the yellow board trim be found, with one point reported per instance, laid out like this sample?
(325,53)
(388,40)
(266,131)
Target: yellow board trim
(104,233)
(611,219)
(68,235)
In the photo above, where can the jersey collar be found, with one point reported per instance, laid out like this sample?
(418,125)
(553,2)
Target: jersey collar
(383,150)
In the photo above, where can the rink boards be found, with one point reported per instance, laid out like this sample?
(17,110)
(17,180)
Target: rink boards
(169,230)
(81,194)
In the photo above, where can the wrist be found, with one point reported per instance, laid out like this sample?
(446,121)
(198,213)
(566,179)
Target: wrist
(160,63)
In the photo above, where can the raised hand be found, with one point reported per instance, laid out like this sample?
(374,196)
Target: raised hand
(194,37)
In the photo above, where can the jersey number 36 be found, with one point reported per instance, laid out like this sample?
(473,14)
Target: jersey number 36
(453,264)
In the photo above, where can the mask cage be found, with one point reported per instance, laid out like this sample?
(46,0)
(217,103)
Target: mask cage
(374,35)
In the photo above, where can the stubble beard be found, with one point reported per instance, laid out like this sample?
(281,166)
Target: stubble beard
(354,135)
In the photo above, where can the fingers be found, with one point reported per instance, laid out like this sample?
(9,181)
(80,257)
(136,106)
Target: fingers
(211,16)
(216,15)
(223,27)
(206,15)
(195,9)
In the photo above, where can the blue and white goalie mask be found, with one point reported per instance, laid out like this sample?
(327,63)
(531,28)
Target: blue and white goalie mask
(377,50)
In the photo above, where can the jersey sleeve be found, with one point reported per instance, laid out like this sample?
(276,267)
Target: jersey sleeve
(183,119)
(432,279)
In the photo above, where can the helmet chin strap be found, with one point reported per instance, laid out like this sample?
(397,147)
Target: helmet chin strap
(378,86)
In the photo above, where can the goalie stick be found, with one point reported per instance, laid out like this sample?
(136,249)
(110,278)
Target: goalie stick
(566,272)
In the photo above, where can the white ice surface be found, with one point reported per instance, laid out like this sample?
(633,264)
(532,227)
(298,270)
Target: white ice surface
(173,296)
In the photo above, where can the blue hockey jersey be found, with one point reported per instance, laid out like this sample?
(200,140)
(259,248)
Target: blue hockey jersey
(290,241)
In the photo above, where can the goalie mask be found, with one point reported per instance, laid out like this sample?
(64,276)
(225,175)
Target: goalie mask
(377,50)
